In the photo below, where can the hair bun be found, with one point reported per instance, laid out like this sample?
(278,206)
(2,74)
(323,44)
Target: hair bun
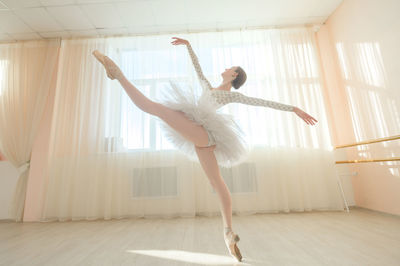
(240,78)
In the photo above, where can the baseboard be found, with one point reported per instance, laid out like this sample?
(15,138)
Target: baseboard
(6,220)
(371,210)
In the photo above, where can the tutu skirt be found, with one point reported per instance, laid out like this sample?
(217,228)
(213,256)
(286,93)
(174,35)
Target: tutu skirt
(231,146)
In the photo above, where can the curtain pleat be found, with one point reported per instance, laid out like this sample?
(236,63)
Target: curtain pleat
(26,70)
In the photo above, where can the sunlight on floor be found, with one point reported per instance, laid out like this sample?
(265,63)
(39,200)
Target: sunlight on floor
(188,256)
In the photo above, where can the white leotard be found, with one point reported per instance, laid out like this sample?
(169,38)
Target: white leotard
(224,97)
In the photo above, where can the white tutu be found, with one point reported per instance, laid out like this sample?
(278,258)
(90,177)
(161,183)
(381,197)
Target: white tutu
(231,146)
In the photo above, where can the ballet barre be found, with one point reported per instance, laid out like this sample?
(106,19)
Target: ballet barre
(370,160)
(368,141)
(363,160)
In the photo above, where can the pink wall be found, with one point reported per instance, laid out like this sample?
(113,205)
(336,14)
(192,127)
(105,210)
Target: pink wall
(359,49)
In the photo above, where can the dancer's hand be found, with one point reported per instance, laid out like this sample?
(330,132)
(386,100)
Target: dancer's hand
(179,41)
(306,117)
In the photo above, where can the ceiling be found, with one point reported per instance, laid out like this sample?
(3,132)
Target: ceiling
(40,19)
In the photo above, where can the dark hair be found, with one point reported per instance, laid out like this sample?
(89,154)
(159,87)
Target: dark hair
(240,78)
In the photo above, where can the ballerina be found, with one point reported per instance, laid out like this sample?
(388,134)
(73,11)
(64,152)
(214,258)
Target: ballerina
(195,127)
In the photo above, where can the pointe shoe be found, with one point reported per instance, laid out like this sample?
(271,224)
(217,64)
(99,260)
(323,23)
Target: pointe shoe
(230,240)
(112,70)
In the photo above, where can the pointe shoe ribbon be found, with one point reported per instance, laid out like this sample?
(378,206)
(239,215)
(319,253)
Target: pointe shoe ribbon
(112,70)
(230,240)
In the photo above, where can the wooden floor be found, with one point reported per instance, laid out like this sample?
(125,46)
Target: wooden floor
(361,237)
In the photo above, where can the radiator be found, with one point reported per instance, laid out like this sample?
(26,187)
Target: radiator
(162,182)
(154,182)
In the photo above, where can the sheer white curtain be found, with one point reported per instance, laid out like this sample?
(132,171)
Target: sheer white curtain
(108,159)
(27,71)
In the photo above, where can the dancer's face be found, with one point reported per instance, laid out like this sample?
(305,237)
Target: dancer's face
(229,73)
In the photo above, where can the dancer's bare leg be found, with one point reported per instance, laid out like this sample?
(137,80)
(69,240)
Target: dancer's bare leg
(175,119)
(209,163)
(210,166)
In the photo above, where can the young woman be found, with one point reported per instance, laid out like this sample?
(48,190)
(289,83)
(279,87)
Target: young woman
(194,125)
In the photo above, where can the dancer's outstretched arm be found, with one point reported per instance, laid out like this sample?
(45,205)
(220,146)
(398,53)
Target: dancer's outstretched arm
(225,97)
(195,62)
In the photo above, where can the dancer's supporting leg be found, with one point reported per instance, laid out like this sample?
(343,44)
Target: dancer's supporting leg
(209,163)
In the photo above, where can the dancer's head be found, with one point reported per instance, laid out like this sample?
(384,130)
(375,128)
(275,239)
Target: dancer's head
(235,75)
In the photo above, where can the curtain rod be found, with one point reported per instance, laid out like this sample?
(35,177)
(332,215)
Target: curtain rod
(315,26)
(307,25)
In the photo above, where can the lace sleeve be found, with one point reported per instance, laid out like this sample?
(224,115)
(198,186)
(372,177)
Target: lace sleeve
(236,97)
(197,67)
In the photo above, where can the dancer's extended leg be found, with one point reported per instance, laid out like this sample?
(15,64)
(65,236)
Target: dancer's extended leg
(175,119)
(210,166)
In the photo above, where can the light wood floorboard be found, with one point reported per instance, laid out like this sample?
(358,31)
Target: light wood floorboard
(361,237)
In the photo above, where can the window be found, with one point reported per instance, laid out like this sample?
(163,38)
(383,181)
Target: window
(140,130)
(283,72)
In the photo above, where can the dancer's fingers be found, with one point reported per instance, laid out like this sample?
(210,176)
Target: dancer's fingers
(306,117)
(312,120)
(309,118)
(176,42)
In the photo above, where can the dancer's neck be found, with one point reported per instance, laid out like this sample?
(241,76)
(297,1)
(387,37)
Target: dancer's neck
(225,86)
